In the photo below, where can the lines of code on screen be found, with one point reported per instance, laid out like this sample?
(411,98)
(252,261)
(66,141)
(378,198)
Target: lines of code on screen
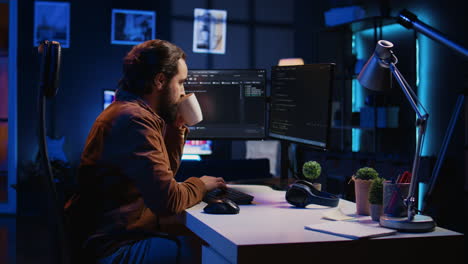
(301,103)
(232,102)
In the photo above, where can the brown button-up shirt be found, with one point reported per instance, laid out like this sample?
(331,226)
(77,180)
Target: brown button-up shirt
(127,172)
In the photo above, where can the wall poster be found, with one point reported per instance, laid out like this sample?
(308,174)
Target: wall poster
(131,27)
(209,31)
(52,22)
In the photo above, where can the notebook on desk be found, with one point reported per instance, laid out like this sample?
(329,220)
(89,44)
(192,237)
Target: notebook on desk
(353,230)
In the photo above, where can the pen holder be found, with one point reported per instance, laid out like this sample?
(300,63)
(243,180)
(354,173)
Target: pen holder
(394,195)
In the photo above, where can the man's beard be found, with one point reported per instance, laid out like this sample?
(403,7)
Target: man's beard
(168,110)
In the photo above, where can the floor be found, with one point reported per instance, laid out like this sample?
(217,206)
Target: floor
(25,239)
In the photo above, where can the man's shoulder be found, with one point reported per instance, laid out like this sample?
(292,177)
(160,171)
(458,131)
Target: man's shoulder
(125,112)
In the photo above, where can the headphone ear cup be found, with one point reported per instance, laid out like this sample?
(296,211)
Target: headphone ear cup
(302,193)
(297,195)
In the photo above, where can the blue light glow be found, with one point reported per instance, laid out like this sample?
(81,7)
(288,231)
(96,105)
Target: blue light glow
(424,88)
(386,30)
(425,67)
(356,140)
(417,62)
(356,103)
(10,205)
(191,157)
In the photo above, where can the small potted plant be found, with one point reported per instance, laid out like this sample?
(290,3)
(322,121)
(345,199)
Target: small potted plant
(376,198)
(362,181)
(311,171)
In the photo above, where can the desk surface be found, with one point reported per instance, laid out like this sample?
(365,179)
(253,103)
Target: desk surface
(270,220)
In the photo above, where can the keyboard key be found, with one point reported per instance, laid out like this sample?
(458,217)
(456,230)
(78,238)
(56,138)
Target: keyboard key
(232,194)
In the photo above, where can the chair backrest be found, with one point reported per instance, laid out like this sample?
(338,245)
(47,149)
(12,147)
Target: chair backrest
(50,56)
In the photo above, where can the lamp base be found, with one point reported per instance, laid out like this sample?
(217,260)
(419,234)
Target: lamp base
(420,223)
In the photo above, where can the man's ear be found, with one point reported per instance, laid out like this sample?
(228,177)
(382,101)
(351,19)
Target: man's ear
(159,81)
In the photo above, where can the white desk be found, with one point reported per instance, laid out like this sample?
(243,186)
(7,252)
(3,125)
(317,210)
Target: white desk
(272,231)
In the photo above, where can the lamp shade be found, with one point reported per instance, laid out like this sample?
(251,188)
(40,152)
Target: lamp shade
(375,75)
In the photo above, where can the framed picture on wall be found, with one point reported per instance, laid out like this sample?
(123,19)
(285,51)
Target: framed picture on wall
(52,22)
(209,31)
(130,27)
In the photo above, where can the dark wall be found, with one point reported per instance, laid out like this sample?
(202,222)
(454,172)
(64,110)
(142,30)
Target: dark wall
(92,63)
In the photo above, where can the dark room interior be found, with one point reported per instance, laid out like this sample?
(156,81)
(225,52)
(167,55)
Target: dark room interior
(364,127)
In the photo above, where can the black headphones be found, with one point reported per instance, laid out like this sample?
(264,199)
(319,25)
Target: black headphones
(301,193)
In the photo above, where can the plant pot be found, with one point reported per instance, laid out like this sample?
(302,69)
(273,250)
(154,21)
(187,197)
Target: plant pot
(317,186)
(376,210)
(361,188)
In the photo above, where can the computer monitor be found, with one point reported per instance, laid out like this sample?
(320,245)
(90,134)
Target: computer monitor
(232,102)
(198,147)
(300,108)
(108,98)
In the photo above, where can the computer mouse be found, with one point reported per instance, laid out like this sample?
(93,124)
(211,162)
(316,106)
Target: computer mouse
(223,206)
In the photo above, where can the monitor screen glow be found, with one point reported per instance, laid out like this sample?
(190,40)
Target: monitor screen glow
(198,147)
(233,103)
(300,109)
(109,97)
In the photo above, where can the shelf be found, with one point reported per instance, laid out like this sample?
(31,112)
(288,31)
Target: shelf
(351,127)
(364,23)
(362,128)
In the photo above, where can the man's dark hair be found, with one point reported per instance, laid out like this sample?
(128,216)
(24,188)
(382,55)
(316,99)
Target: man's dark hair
(147,59)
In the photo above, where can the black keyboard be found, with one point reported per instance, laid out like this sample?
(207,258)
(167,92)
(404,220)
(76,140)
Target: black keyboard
(232,194)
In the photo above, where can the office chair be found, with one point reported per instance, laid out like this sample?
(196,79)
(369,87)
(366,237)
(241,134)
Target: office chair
(50,56)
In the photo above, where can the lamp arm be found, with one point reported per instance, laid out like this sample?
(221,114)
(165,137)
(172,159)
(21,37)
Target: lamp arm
(421,124)
(410,20)
(407,91)
(411,199)
(413,94)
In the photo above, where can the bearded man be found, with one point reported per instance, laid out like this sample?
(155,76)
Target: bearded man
(132,153)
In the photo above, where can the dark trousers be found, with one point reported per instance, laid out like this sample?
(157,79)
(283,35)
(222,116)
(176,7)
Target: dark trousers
(151,250)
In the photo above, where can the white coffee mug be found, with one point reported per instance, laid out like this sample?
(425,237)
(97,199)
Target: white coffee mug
(190,110)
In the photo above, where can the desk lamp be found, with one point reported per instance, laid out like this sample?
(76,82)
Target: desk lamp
(411,21)
(376,75)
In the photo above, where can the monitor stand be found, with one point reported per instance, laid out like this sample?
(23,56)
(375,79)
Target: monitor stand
(275,183)
(288,165)
(288,153)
